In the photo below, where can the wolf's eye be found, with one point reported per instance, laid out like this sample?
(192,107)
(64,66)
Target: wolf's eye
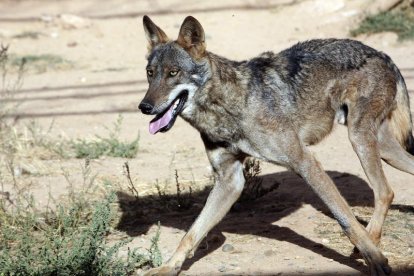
(173,73)
(150,73)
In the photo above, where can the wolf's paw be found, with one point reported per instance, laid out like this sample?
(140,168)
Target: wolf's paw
(162,270)
(380,269)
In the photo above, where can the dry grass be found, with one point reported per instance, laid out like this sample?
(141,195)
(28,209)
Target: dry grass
(397,241)
(400,20)
(39,63)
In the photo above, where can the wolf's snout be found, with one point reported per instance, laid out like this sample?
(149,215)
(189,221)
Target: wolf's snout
(145,108)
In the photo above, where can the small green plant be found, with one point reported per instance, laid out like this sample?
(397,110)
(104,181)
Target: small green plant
(154,252)
(40,63)
(62,244)
(32,141)
(29,35)
(400,22)
(108,146)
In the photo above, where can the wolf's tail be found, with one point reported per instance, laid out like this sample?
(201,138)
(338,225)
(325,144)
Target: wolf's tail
(400,118)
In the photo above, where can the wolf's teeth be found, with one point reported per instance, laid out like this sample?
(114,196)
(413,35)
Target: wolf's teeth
(176,104)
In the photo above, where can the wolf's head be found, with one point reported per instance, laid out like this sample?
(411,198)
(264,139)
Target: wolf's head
(175,71)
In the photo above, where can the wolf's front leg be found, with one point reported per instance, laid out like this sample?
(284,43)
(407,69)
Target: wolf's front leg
(229,183)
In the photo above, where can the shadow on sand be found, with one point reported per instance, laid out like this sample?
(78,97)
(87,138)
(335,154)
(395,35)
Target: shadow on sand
(253,217)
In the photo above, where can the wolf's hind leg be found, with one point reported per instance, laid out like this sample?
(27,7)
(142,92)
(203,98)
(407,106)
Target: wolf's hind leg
(392,152)
(310,169)
(363,136)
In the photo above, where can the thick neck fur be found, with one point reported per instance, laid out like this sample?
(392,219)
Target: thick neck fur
(220,99)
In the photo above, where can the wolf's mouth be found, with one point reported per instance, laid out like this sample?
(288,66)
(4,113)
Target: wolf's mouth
(166,119)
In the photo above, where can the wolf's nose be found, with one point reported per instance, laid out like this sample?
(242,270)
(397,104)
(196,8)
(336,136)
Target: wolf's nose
(146,108)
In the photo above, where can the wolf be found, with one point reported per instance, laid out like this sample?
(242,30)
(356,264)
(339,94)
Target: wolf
(272,107)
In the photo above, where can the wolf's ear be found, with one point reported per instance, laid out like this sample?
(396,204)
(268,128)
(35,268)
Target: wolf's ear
(153,33)
(191,37)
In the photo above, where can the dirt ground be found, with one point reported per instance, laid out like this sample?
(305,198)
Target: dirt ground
(286,231)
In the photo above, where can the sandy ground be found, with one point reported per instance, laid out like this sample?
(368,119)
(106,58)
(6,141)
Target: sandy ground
(275,235)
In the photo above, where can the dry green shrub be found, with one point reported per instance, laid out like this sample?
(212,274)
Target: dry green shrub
(62,244)
(70,238)
(106,146)
(400,20)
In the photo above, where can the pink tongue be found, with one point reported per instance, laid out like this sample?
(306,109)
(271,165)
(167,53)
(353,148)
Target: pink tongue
(155,126)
